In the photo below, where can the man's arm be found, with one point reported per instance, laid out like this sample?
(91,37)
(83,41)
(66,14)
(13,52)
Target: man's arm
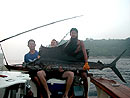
(25,58)
(84,52)
(86,66)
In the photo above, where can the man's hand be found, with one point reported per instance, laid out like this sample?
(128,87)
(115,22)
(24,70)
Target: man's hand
(61,69)
(48,67)
(86,66)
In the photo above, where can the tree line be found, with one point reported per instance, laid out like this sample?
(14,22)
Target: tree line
(111,47)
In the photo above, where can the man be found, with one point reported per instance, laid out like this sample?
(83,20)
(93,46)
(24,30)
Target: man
(61,74)
(54,43)
(80,46)
(38,76)
(33,54)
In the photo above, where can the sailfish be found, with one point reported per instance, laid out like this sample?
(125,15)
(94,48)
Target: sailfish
(63,55)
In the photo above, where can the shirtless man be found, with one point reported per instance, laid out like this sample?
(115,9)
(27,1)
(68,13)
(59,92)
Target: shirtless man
(64,74)
(54,43)
(80,44)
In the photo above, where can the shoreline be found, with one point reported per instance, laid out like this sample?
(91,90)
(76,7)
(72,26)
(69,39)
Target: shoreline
(106,57)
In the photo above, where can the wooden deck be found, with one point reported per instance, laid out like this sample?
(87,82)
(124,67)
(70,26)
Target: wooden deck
(111,87)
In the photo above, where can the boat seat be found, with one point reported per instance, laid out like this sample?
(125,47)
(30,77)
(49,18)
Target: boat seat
(56,86)
(52,84)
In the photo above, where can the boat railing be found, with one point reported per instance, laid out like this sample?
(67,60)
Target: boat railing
(109,88)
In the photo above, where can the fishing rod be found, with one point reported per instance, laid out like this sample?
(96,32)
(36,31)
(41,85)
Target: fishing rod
(63,38)
(38,28)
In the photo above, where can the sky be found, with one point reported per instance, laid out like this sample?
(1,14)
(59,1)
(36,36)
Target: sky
(102,19)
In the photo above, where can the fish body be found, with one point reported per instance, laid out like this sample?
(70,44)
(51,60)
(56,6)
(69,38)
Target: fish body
(59,56)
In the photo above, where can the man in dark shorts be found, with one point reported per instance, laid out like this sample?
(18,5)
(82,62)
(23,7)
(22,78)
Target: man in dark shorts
(81,47)
(61,74)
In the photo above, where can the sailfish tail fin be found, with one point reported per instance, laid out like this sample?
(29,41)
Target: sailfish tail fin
(113,66)
(116,71)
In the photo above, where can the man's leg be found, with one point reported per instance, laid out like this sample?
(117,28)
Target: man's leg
(85,83)
(70,76)
(41,75)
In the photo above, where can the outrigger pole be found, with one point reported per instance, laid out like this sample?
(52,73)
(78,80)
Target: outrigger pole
(39,27)
(3,54)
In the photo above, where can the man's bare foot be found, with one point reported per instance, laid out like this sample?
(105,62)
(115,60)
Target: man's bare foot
(65,96)
(49,94)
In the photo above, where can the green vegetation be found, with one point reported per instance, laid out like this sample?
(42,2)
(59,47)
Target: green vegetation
(111,47)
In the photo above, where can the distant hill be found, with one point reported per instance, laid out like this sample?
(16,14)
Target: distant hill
(111,47)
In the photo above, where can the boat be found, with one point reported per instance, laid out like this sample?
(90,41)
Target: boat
(105,88)
(61,55)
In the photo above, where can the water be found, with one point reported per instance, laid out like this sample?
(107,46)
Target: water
(123,65)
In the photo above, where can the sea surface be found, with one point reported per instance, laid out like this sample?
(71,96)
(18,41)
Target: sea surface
(123,65)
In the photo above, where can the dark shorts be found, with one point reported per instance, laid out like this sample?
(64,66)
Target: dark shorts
(33,73)
(54,74)
(49,74)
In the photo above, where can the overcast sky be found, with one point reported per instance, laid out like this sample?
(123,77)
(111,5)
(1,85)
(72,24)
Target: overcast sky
(103,19)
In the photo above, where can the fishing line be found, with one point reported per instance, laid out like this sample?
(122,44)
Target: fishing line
(39,27)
